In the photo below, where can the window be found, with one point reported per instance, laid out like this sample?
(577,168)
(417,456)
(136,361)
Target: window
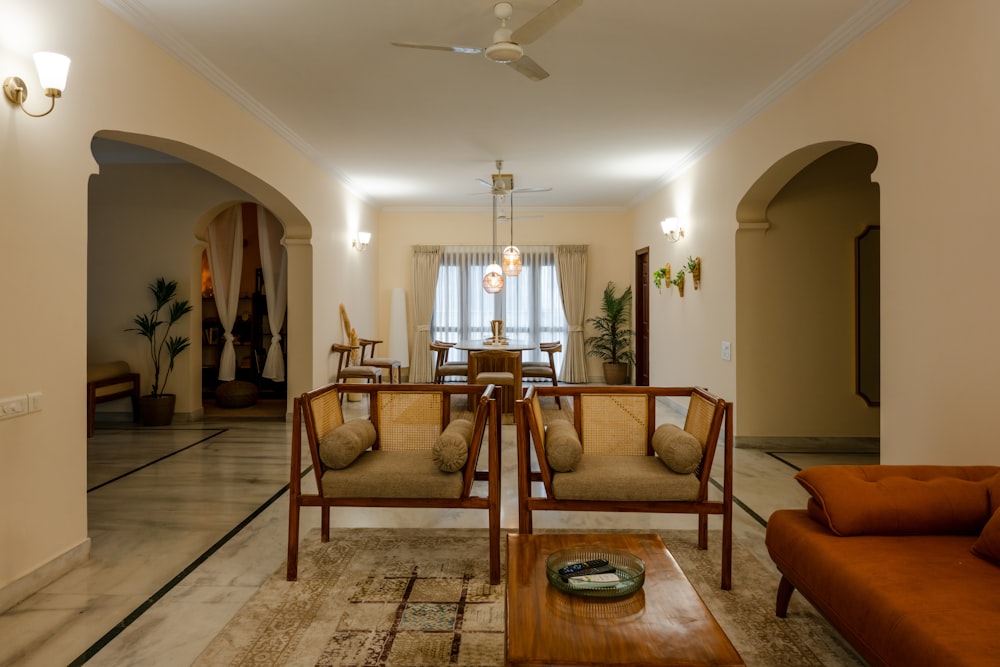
(529,304)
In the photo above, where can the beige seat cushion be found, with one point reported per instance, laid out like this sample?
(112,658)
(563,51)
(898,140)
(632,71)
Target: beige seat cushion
(402,474)
(623,478)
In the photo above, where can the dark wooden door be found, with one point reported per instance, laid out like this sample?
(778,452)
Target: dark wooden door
(642,317)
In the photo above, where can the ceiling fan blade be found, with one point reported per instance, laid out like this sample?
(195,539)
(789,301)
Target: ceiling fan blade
(485,183)
(529,68)
(438,47)
(532,190)
(544,21)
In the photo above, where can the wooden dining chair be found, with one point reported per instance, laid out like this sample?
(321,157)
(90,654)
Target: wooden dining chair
(444,368)
(501,368)
(544,369)
(393,366)
(348,371)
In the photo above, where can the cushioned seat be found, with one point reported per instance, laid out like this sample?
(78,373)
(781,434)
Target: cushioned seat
(377,474)
(626,478)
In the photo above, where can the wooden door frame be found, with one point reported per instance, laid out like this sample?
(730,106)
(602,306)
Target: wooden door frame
(641,327)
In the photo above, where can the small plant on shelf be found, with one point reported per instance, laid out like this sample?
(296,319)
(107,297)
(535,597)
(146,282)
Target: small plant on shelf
(679,281)
(694,268)
(661,276)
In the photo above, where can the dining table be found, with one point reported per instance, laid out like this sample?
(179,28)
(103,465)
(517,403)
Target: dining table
(491,343)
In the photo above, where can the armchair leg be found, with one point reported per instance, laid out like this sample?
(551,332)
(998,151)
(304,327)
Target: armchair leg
(703,531)
(292,565)
(324,524)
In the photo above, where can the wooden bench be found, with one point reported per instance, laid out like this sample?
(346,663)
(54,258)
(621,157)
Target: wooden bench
(110,382)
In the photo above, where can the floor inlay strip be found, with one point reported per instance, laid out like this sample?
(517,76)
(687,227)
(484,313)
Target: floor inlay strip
(162,458)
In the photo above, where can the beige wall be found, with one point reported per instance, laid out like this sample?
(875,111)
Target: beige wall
(121,83)
(611,255)
(920,90)
(795,304)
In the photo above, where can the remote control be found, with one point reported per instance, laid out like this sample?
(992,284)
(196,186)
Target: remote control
(578,568)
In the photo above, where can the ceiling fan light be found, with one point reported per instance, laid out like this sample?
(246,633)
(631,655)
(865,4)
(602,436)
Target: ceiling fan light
(504,52)
(511,261)
(493,280)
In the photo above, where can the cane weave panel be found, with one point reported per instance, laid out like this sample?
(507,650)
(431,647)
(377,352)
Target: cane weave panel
(699,418)
(327,413)
(408,420)
(614,424)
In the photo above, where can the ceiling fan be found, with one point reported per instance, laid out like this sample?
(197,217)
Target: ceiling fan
(507,45)
(503,184)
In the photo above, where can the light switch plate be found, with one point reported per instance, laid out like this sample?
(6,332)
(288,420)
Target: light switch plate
(726,350)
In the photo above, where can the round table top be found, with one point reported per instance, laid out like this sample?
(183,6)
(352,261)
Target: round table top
(487,344)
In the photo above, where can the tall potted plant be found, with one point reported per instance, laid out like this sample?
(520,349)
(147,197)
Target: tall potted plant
(613,340)
(157,407)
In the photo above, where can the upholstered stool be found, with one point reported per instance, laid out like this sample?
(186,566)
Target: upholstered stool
(236,394)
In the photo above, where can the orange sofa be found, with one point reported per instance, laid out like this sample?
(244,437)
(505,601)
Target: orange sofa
(904,561)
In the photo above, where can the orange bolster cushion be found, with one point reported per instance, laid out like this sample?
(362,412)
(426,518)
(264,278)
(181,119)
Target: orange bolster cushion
(899,500)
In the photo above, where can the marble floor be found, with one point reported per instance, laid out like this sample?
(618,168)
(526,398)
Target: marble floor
(188,521)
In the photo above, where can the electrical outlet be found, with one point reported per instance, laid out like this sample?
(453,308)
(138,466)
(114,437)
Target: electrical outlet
(13,407)
(726,351)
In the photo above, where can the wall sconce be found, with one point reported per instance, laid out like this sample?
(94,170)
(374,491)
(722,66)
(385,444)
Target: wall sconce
(361,241)
(53,68)
(672,229)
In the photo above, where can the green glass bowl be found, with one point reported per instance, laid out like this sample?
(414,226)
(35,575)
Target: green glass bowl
(631,571)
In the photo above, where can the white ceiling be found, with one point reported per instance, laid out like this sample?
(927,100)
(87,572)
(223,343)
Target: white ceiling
(637,88)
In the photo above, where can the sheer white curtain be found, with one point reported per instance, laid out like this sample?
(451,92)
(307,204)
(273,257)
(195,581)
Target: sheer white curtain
(274,264)
(529,303)
(225,261)
(572,261)
(425,275)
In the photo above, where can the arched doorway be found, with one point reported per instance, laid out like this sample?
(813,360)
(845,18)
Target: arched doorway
(795,296)
(179,255)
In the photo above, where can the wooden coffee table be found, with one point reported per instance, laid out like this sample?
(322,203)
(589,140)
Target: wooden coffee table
(665,623)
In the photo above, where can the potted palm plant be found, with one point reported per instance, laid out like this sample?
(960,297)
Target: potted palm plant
(157,407)
(613,340)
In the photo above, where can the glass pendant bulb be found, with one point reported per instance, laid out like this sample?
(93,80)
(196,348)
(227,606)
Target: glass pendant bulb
(493,280)
(511,261)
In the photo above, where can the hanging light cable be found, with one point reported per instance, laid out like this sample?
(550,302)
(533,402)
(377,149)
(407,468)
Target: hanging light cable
(511,255)
(493,280)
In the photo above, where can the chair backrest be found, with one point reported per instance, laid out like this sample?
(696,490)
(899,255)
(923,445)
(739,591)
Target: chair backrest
(408,420)
(344,355)
(615,424)
(498,361)
(364,344)
(440,350)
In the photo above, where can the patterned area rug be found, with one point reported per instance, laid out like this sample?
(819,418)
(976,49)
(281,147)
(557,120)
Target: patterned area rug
(422,597)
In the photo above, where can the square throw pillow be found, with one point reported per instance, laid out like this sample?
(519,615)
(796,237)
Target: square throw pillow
(451,450)
(341,446)
(987,546)
(678,450)
(563,448)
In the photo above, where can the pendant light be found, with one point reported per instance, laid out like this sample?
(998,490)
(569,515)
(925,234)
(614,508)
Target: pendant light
(493,280)
(511,255)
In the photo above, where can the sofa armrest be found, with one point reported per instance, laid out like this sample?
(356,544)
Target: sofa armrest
(900,500)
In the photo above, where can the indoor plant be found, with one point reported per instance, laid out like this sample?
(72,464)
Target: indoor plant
(613,341)
(157,407)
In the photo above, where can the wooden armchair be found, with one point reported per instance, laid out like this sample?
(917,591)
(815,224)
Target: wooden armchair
(393,366)
(614,458)
(400,466)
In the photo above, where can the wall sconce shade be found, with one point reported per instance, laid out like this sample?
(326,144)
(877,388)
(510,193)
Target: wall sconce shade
(672,229)
(361,241)
(53,70)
